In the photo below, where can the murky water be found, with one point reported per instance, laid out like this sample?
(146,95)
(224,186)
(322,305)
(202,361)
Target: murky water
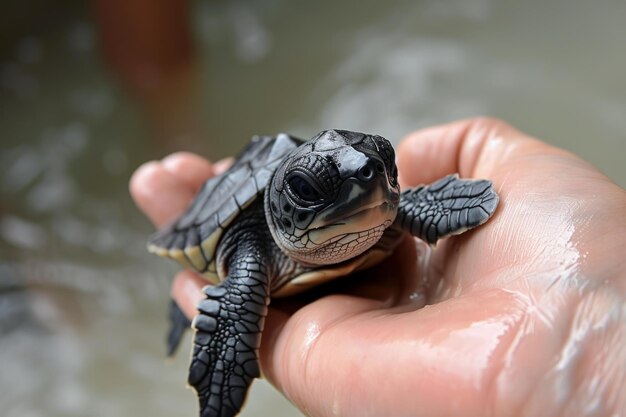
(82,305)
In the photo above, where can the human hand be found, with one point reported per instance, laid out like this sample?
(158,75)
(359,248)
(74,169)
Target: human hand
(524,315)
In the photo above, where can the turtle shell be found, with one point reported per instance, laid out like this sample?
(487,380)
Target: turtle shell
(193,238)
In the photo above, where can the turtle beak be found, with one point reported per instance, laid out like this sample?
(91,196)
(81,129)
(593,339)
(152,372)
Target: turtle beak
(355,196)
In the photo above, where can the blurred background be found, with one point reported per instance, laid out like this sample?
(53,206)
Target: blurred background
(90,90)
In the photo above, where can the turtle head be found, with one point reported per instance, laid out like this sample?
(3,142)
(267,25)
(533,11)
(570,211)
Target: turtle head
(333,197)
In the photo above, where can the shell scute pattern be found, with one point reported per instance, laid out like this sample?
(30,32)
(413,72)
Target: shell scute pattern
(220,201)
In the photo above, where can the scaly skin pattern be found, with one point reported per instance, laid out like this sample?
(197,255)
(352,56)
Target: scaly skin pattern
(230,321)
(446,207)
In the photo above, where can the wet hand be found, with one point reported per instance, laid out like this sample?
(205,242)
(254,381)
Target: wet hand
(524,315)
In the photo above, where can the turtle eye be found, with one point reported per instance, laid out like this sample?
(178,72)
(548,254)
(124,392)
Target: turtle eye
(303,190)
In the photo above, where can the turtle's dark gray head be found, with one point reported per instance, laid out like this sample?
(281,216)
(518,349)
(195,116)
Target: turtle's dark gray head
(333,197)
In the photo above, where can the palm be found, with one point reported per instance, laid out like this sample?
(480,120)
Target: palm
(493,295)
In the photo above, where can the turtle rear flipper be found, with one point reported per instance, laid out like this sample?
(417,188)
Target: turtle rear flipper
(179,323)
(446,207)
(228,335)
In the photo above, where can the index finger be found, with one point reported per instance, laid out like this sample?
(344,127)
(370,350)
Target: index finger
(164,189)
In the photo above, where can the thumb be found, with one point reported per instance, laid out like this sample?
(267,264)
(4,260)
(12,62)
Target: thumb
(475,148)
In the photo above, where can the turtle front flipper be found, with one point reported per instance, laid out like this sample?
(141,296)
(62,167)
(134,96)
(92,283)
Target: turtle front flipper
(446,207)
(228,334)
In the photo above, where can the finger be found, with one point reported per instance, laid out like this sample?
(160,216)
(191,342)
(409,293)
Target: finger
(158,193)
(287,338)
(474,148)
(222,165)
(343,356)
(188,167)
(187,292)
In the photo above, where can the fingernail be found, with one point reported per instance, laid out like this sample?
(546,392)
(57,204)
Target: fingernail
(222,165)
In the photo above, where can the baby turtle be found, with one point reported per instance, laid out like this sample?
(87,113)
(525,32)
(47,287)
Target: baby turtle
(290,214)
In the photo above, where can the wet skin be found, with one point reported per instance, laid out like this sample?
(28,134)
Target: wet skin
(523,316)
